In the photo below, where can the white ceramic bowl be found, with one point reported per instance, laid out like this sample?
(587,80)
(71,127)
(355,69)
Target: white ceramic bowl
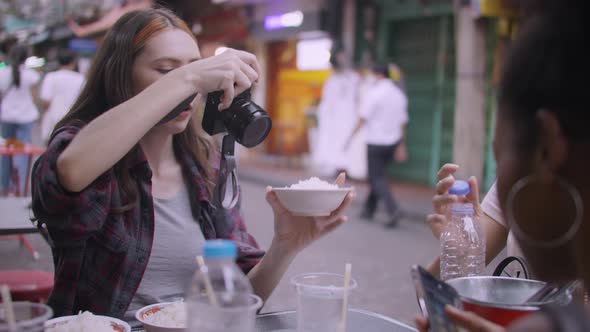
(117,324)
(150,310)
(311,202)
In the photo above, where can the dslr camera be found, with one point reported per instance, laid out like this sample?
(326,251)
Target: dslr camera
(247,122)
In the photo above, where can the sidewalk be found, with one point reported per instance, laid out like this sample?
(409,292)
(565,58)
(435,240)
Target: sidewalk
(415,200)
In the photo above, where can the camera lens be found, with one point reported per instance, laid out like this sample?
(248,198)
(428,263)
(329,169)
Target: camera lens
(257,130)
(248,123)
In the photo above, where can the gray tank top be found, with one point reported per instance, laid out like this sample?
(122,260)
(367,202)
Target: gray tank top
(177,241)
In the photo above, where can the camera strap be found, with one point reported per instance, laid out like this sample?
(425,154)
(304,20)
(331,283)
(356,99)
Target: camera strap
(228,189)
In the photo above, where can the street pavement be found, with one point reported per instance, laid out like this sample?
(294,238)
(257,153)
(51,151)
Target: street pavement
(381,258)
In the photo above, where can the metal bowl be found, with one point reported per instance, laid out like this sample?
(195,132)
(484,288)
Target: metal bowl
(498,299)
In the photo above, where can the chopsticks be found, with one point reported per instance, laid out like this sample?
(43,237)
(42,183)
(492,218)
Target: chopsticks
(344,317)
(8,308)
(207,280)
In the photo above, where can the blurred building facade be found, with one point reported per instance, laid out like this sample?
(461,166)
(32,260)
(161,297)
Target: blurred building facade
(450,53)
(448,50)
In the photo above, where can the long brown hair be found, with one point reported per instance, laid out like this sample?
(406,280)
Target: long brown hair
(110,84)
(18,56)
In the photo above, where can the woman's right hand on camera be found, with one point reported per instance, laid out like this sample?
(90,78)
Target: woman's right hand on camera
(127,123)
(442,201)
(232,71)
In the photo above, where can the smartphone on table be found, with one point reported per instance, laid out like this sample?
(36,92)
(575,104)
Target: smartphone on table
(433,295)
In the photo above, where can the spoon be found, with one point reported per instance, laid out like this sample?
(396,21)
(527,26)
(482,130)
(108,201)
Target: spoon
(551,292)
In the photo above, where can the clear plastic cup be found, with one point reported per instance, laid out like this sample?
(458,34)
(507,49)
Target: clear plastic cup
(237,317)
(29,316)
(320,297)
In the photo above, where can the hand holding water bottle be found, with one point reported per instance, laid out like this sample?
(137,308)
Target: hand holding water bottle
(462,238)
(442,200)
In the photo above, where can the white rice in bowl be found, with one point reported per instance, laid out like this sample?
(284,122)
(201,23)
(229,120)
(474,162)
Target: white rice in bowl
(314,183)
(171,315)
(84,322)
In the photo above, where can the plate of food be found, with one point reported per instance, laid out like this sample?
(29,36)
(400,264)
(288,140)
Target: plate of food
(163,317)
(86,322)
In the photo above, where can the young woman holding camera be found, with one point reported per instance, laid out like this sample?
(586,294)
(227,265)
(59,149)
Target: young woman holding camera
(127,201)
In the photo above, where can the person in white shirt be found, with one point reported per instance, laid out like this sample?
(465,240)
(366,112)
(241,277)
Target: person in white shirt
(18,112)
(59,91)
(497,232)
(336,116)
(383,113)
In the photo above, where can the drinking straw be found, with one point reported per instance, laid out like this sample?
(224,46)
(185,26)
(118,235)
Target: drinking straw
(8,308)
(207,280)
(347,277)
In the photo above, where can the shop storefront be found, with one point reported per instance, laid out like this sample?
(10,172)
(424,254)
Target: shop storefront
(503,24)
(291,95)
(295,51)
(420,37)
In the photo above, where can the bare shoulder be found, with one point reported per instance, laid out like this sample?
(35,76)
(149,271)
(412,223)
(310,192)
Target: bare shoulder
(536,323)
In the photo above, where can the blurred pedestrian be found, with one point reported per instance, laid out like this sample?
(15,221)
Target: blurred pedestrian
(357,149)
(59,91)
(384,113)
(18,111)
(336,114)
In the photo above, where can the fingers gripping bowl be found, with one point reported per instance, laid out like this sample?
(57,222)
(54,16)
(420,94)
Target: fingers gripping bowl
(312,197)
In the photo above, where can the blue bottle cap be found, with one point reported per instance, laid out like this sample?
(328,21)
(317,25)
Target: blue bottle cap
(219,249)
(460,188)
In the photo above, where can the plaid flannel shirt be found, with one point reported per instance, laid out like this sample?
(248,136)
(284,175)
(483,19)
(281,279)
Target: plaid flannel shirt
(100,256)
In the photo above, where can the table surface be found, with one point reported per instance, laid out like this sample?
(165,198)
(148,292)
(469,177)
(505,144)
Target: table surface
(358,320)
(15,217)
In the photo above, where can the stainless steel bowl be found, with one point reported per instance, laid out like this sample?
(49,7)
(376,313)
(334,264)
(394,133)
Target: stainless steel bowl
(498,299)
(505,292)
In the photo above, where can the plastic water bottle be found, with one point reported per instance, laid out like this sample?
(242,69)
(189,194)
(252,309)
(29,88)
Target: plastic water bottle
(463,244)
(220,297)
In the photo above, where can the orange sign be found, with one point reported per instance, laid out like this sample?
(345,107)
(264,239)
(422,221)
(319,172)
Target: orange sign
(494,8)
(298,90)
